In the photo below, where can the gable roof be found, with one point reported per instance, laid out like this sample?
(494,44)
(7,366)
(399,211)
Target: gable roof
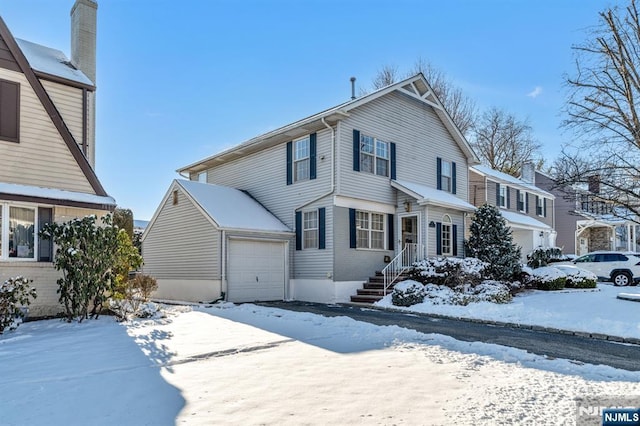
(506,178)
(48,105)
(52,62)
(231,208)
(427,195)
(416,87)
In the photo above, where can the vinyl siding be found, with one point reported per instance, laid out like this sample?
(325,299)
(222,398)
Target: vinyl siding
(353,264)
(513,207)
(182,243)
(436,214)
(41,158)
(477,189)
(263,175)
(68,102)
(565,216)
(420,138)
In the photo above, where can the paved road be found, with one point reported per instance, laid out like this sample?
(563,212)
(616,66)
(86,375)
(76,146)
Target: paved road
(553,345)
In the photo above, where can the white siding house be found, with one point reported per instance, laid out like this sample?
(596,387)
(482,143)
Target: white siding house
(357,184)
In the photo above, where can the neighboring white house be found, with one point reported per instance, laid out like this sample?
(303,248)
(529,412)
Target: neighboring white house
(352,185)
(528,210)
(47,146)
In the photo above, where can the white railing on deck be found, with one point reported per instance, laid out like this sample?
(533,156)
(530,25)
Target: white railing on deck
(410,254)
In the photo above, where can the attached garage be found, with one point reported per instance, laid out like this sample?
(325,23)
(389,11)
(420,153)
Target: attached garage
(256,270)
(209,242)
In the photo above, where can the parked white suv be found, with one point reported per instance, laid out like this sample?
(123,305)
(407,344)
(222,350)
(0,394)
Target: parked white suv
(618,267)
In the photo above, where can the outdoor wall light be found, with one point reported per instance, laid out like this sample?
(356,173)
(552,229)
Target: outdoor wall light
(432,224)
(407,206)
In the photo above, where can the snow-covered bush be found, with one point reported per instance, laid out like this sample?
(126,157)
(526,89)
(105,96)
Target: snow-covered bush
(549,278)
(543,256)
(448,271)
(15,297)
(132,297)
(490,240)
(125,309)
(486,291)
(580,278)
(407,293)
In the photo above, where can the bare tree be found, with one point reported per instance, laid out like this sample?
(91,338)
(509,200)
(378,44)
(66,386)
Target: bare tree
(503,142)
(460,108)
(602,110)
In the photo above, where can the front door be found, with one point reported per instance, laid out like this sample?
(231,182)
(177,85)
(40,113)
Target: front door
(409,230)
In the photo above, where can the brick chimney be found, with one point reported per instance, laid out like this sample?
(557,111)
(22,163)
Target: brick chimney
(83,57)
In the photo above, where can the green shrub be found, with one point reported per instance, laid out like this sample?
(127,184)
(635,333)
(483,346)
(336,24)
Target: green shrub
(556,284)
(15,296)
(548,278)
(407,293)
(543,256)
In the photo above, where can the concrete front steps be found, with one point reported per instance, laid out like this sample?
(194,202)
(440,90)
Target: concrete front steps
(373,290)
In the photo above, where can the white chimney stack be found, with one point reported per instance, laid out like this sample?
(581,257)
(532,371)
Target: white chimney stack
(529,173)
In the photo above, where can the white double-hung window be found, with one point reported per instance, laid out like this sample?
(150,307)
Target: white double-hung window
(374,156)
(18,236)
(301,159)
(370,230)
(310,229)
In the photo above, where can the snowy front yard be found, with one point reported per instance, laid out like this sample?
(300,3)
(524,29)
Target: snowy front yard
(247,364)
(587,310)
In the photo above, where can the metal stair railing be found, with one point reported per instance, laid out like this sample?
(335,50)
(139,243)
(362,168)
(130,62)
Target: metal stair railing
(410,254)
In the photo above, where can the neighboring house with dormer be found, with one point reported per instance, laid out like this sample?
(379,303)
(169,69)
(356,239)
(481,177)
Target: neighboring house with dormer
(528,209)
(587,223)
(47,145)
(341,194)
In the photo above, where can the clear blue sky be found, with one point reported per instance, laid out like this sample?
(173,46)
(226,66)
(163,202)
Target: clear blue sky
(182,80)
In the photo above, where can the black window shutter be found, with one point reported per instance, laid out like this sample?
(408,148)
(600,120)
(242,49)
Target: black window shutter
(439,172)
(392,149)
(352,229)
(312,156)
(391,238)
(544,207)
(508,191)
(45,245)
(321,229)
(9,110)
(289,163)
(497,194)
(518,204)
(453,177)
(298,230)
(454,235)
(356,150)
(526,202)
(438,238)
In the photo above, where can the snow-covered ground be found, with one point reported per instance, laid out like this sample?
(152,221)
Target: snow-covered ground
(589,310)
(248,365)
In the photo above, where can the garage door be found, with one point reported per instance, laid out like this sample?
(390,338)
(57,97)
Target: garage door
(256,270)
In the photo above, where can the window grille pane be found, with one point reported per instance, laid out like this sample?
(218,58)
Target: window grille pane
(302,149)
(311,239)
(363,238)
(362,220)
(446,183)
(377,240)
(366,163)
(446,239)
(382,167)
(382,149)
(0,231)
(366,144)
(21,232)
(301,169)
(377,222)
(446,169)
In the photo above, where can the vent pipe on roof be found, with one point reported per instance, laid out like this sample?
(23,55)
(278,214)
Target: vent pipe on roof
(353,88)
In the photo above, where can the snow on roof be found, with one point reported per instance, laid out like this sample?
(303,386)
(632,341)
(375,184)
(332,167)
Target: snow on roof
(51,61)
(520,219)
(232,208)
(488,171)
(55,194)
(427,195)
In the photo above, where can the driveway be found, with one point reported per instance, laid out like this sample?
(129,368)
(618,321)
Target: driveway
(552,345)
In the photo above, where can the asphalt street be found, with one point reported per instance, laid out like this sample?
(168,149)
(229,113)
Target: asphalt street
(552,345)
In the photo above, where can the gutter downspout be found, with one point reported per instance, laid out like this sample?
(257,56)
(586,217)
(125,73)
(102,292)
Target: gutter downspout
(223,276)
